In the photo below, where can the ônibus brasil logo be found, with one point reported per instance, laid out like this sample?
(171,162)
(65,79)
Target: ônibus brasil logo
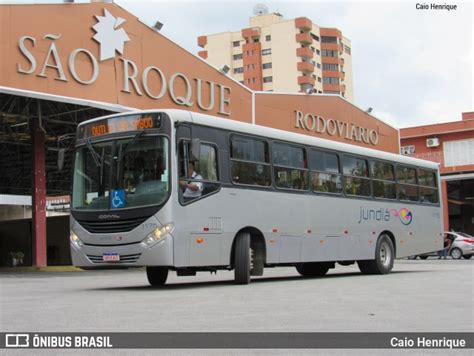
(405,215)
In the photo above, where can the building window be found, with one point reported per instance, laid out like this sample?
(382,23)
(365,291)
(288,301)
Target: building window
(267,79)
(266,51)
(316,38)
(347,49)
(331,92)
(319,79)
(318,52)
(238,70)
(241,82)
(329,53)
(330,80)
(328,66)
(267,65)
(318,65)
(458,153)
(236,43)
(237,56)
(313,49)
(328,39)
(268,38)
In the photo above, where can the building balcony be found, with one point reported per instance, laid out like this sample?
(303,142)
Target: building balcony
(334,87)
(304,52)
(202,41)
(306,67)
(304,80)
(303,23)
(333,73)
(202,54)
(332,60)
(332,46)
(331,32)
(252,32)
(304,38)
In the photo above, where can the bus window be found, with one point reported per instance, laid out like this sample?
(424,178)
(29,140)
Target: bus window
(383,180)
(325,174)
(289,165)
(249,161)
(197,178)
(428,189)
(356,176)
(407,188)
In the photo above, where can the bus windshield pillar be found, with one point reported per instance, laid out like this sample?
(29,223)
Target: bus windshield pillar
(39,196)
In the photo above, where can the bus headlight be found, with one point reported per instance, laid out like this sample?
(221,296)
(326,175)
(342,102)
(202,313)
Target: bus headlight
(157,235)
(75,240)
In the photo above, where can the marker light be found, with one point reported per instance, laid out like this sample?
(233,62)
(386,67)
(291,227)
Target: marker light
(75,240)
(157,235)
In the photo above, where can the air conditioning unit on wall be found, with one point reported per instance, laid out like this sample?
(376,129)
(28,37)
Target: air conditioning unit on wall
(432,142)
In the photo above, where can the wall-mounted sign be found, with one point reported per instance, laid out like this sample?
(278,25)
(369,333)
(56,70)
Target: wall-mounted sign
(112,39)
(333,127)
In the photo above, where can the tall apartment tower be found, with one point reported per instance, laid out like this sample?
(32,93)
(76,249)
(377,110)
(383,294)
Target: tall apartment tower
(275,54)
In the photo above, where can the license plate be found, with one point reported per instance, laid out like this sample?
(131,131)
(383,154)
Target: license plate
(110,257)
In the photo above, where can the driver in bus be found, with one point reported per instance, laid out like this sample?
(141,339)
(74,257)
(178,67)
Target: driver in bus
(192,189)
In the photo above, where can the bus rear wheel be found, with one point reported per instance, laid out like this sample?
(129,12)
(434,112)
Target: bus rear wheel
(242,258)
(384,258)
(313,269)
(157,275)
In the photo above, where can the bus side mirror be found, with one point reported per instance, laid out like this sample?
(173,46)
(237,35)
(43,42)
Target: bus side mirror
(195,149)
(61,153)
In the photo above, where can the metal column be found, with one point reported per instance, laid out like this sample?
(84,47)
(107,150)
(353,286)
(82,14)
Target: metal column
(39,195)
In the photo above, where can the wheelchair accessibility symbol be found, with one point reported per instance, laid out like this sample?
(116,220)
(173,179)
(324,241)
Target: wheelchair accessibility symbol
(118,198)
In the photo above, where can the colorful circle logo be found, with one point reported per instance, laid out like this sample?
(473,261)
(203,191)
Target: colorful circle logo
(405,215)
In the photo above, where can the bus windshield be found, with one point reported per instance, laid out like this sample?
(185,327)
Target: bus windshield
(125,173)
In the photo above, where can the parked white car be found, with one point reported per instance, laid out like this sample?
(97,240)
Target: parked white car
(462,245)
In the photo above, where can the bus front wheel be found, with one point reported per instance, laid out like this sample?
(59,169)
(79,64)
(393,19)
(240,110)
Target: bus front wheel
(242,258)
(157,275)
(384,258)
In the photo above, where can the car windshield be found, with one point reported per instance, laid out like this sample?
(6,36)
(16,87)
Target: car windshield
(125,173)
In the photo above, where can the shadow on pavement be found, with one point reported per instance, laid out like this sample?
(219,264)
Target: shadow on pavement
(257,280)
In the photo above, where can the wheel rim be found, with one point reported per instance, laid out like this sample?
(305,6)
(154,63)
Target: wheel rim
(385,255)
(456,254)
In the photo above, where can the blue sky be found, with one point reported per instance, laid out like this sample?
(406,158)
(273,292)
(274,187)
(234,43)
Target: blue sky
(413,67)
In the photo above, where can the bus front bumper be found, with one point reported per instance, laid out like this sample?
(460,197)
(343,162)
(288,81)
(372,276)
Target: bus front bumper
(131,255)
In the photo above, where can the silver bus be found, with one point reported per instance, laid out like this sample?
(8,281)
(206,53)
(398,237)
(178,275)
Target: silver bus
(187,192)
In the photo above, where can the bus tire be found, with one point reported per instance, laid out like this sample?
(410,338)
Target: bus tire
(313,269)
(157,275)
(242,258)
(384,258)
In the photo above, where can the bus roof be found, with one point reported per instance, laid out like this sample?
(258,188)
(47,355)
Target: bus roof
(276,134)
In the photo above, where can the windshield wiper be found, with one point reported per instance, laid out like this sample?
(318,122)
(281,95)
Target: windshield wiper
(95,156)
(124,148)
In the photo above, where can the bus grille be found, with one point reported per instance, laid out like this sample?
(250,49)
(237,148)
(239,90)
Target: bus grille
(103,227)
(123,258)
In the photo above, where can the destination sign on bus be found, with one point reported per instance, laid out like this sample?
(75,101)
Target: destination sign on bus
(120,124)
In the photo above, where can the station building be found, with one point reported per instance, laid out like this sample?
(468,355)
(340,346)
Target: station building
(450,144)
(69,62)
